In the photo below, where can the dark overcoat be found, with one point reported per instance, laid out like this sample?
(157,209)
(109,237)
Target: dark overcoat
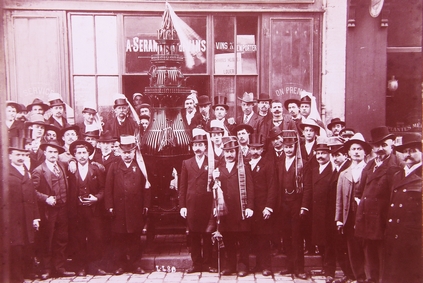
(317,192)
(256,122)
(23,207)
(374,193)
(403,242)
(193,194)
(125,193)
(232,221)
(95,181)
(265,195)
(128,127)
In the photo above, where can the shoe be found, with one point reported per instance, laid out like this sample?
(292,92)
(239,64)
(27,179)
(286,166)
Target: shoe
(285,272)
(100,272)
(329,279)
(226,272)
(81,272)
(65,273)
(211,269)
(45,275)
(301,276)
(119,271)
(267,272)
(193,269)
(139,270)
(242,273)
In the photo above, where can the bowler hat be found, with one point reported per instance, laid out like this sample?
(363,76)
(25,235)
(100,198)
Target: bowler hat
(220,101)
(55,99)
(322,144)
(264,97)
(256,140)
(310,123)
(92,134)
(380,134)
(410,140)
(37,101)
(359,139)
(289,101)
(216,127)
(127,142)
(336,144)
(107,137)
(335,121)
(274,132)
(289,137)
(247,97)
(36,119)
(240,127)
(230,142)
(120,102)
(204,100)
(54,144)
(69,128)
(72,146)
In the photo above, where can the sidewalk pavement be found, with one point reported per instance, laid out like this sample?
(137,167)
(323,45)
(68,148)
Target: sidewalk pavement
(181,277)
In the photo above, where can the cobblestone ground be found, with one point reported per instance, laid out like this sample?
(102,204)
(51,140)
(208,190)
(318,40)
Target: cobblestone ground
(177,277)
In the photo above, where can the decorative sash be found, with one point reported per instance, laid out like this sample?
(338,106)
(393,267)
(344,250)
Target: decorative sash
(210,159)
(242,183)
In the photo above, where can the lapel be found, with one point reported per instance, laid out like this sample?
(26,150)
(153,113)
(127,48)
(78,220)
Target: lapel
(348,174)
(324,174)
(379,171)
(14,172)
(47,175)
(413,177)
(194,166)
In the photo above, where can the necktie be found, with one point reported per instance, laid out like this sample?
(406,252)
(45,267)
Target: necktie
(56,170)
(245,119)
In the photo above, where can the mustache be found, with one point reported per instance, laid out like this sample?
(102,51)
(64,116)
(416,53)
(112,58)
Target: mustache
(277,112)
(197,151)
(320,159)
(408,158)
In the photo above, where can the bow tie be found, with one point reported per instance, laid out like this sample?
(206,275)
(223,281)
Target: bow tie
(277,121)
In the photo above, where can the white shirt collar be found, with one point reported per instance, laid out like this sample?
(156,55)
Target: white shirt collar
(50,165)
(199,161)
(409,170)
(229,166)
(288,162)
(253,162)
(309,146)
(323,167)
(248,117)
(21,168)
(357,169)
(83,170)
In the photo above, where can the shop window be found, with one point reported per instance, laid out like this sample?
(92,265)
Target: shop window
(235,57)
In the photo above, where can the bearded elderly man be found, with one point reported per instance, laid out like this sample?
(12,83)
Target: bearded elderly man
(372,196)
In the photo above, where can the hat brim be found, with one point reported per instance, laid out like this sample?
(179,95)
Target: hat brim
(334,123)
(14,105)
(28,123)
(18,149)
(242,127)
(127,147)
(223,105)
(288,101)
(44,106)
(367,147)
(120,104)
(401,148)
(58,147)
(73,127)
(317,128)
(389,136)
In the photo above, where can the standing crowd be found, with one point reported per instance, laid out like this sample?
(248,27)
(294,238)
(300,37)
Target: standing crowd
(264,182)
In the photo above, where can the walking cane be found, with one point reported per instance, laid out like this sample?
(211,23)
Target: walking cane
(217,236)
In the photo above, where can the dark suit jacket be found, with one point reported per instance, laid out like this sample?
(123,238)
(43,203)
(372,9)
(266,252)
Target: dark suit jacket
(195,121)
(128,127)
(287,124)
(374,193)
(265,195)
(232,222)
(53,122)
(23,207)
(95,181)
(317,191)
(403,254)
(41,177)
(125,193)
(255,121)
(194,196)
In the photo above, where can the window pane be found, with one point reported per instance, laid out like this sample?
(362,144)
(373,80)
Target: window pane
(199,25)
(108,87)
(246,45)
(83,44)
(224,86)
(106,44)
(245,84)
(84,90)
(224,46)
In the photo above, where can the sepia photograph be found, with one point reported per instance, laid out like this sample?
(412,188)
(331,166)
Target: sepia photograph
(211,141)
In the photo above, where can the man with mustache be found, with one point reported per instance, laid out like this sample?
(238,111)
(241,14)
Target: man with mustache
(196,202)
(190,116)
(372,196)
(204,104)
(68,135)
(221,109)
(86,192)
(346,205)
(249,117)
(293,107)
(278,119)
(336,125)
(243,133)
(316,202)
(216,134)
(236,183)
(122,124)
(51,185)
(127,201)
(263,106)
(403,245)
(265,200)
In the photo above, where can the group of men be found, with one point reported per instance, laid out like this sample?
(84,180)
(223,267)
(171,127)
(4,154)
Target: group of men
(272,179)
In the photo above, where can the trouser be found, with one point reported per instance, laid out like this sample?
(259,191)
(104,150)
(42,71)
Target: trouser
(291,227)
(263,251)
(21,262)
(342,255)
(201,249)
(231,239)
(355,249)
(126,250)
(54,238)
(373,259)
